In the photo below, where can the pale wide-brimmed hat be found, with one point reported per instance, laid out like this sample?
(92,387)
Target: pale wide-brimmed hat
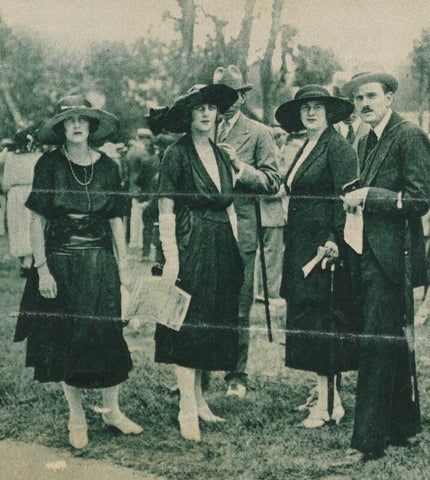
(77,105)
(176,118)
(288,114)
(369,77)
(231,77)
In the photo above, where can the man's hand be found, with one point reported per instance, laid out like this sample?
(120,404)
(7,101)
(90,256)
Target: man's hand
(354,199)
(234,159)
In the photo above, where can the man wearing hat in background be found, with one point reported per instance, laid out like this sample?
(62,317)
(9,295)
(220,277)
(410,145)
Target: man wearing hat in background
(393,195)
(257,173)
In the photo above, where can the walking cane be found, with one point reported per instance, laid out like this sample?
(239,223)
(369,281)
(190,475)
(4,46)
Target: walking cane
(263,268)
(330,377)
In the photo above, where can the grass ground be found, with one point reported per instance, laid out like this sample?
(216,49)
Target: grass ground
(261,440)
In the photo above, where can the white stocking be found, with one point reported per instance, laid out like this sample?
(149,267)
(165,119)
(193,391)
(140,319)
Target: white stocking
(110,401)
(188,416)
(76,411)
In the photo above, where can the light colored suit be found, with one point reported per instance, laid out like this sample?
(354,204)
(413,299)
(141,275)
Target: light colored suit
(255,148)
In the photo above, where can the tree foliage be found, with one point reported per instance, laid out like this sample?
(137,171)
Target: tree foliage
(130,79)
(315,65)
(421,70)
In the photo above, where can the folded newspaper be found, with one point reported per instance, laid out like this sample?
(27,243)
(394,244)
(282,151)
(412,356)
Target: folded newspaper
(156,300)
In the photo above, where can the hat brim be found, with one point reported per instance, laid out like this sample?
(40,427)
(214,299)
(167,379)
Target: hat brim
(349,87)
(245,88)
(108,123)
(175,119)
(288,114)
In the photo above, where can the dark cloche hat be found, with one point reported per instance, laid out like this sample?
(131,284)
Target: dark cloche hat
(175,118)
(288,114)
(77,105)
(369,77)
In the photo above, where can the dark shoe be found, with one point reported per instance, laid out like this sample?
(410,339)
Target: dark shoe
(236,390)
(354,457)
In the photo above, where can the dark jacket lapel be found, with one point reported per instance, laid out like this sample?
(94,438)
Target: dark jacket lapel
(314,154)
(377,156)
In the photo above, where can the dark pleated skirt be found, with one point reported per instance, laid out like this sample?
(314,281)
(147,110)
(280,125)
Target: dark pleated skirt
(76,337)
(211,271)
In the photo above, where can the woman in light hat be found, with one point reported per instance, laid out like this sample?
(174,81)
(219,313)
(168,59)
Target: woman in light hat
(70,311)
(197,231)
(314,181)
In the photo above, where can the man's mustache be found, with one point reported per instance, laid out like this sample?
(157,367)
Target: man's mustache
(366,110)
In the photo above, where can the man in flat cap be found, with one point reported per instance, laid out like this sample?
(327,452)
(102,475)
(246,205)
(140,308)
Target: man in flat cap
(393,195)
(256,166)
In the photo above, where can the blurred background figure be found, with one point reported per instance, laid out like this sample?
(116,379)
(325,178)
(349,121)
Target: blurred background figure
(352,128)
(147,181)
(118,152)
(17,182)
(423,311)
(5,144)
(139,152)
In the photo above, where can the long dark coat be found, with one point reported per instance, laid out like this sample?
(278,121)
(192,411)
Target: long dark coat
(393,261)
(210,268)
(315,215)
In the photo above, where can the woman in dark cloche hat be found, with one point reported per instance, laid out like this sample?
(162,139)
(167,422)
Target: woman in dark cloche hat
(197,231)
(71,307)
(316,308)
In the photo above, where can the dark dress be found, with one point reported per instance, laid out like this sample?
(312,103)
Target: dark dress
(315,215)
(210,265)
(76,337)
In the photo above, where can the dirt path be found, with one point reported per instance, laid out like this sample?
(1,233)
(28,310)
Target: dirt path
(21,461)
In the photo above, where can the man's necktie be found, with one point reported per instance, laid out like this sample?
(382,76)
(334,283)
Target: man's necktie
(350,136)
(372,140)
(222,132)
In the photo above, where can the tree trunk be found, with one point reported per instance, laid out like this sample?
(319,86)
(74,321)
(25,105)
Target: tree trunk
(266,73)
(13,109)
(187,23)
(244,36)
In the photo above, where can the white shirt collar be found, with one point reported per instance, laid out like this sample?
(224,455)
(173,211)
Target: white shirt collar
(382,124)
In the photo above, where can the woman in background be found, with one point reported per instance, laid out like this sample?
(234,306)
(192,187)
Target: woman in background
(17,181)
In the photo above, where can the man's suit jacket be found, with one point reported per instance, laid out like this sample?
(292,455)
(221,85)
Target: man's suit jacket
(400,162)
(255,147)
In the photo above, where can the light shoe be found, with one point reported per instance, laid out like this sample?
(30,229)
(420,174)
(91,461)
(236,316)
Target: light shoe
(310,401)
(236,390)
(78,436)
(122,423)
(206,414)
(189,425)
(338,413)
(317,418)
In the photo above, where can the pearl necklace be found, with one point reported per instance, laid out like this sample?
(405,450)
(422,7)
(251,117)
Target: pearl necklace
(86,182)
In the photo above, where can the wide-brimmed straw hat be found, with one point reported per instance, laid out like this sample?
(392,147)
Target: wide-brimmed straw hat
(232,77)
(369,77)
(288,114)
(77,105)
(176,118)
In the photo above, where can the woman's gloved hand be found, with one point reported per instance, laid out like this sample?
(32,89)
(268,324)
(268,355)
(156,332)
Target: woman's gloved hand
(167,226)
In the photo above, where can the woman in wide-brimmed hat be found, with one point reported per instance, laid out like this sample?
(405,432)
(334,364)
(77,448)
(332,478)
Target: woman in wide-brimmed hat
(197,231)
(71,307)
(316,219)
